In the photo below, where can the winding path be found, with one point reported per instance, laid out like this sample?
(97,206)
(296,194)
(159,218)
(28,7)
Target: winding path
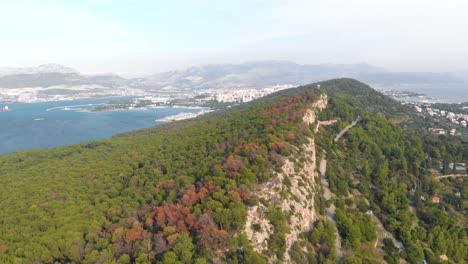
(451,176)
(324,123)
(327,194)
(342,132)
(383,233)
(330,211)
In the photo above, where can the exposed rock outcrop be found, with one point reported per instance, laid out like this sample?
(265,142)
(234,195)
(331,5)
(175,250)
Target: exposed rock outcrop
(292,190)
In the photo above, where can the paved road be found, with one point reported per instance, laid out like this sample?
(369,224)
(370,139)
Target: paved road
(342,132)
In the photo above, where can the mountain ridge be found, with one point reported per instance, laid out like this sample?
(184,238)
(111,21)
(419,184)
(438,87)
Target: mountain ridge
(255,74)
(44,68)
(202,190)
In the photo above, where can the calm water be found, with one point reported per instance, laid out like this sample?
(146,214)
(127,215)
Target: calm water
(31,126)
(446,93)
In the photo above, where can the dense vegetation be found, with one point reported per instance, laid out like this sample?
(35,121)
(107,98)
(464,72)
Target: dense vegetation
(381,169)
(178,193)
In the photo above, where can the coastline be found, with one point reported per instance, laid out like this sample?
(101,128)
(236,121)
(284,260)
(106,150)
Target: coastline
(36,128)
(201,108)
(182,116)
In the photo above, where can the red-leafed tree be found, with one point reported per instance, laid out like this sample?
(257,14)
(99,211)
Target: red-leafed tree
(203,193)
(135,233)
(232,165)
(3,248)
(244,192)
(209,236)
(160,216)
(181,227)
(211,186)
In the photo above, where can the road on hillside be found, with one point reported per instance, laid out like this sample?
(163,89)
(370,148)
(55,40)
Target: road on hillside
(383,233)
(330,211)
(324,123)
(327,194)
(451,176)
(342,132)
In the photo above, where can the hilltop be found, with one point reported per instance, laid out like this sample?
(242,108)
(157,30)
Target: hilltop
(243,185)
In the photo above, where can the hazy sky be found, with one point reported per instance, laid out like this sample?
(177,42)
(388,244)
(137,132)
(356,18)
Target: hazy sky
(141,37)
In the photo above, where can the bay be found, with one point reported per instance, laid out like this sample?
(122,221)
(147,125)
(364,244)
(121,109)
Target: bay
(51,124)
(441,93)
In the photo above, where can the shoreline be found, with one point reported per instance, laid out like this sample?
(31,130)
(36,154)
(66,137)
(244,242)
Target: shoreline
(145,108)
(182,116)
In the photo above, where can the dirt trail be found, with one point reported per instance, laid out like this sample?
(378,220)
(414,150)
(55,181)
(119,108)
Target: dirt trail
(342,132)
(326,188)
(327,194)
(324,123)
(383,233)
(451,176)
(330,211)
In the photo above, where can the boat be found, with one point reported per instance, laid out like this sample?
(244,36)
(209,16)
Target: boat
(4,109)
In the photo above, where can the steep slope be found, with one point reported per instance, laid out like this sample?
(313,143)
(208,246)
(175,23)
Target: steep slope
(382,179)
(292,190)
(176,191)
(235,186)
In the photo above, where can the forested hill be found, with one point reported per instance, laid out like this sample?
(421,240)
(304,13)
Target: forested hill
(241,186)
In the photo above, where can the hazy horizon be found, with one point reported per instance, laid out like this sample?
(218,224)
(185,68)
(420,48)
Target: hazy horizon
(135,39)
(190,66)
(185,67)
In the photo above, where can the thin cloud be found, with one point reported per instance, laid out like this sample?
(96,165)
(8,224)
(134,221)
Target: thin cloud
(149,36)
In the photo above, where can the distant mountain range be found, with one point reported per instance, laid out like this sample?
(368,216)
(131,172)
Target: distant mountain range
(53,75)
(213,76)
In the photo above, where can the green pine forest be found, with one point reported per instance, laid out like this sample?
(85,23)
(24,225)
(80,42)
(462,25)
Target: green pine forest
(179,192)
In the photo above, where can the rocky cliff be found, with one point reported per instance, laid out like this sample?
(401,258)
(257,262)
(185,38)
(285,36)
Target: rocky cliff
(292,190)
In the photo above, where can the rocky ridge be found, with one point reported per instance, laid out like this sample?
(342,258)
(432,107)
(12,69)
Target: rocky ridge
(292,190)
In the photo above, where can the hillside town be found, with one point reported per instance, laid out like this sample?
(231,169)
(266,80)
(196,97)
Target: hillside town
(451,118)
(452,122)
(212,98)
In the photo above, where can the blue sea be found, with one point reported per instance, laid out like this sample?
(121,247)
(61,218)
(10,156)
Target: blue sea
(446,93)
(51,124)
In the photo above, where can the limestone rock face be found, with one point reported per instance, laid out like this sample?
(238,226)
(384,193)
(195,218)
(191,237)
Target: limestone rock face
(295,199)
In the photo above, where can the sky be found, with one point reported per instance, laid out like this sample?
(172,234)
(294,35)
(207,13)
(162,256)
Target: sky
(146,36)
